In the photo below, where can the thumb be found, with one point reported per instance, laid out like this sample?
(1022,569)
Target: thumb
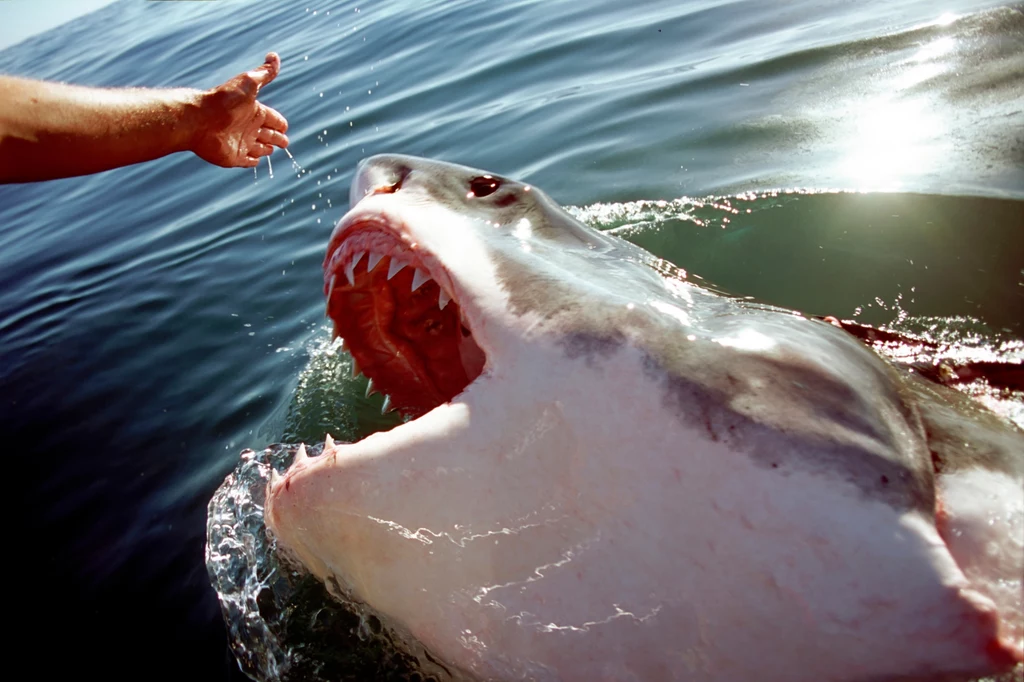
(267,72)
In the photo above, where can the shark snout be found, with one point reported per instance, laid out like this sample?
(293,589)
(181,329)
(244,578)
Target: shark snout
(382,174)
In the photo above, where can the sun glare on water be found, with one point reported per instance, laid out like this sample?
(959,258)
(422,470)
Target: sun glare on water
(895,133)
(891,141)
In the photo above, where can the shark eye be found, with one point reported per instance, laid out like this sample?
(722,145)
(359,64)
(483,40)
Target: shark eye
(484,185)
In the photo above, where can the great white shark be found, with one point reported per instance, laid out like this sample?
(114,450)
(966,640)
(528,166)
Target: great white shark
(613,473)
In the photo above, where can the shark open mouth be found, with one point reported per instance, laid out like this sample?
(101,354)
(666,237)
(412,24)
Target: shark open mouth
(394,305)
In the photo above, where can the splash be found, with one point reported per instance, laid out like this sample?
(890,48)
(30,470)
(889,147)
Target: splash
(962,352)
(296,166)
(283,624)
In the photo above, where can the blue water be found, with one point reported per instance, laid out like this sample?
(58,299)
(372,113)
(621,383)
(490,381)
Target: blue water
(156,320)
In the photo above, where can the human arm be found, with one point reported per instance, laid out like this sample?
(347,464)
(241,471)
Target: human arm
(53,130)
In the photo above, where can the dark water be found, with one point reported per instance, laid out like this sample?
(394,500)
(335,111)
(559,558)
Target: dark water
(156,320)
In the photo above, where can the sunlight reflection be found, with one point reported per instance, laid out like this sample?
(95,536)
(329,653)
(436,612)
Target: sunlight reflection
(891,141)
(672,311)
(523,229)
(899,135)
(936,48)
(747,339)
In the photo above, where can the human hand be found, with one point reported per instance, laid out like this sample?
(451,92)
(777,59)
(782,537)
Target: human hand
(235,129)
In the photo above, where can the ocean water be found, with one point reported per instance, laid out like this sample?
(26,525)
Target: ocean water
(863,160)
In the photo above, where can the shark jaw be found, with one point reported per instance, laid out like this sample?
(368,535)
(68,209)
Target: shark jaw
(395,306)
(614,475)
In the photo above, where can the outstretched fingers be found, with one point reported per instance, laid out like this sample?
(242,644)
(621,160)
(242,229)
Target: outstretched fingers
(254,153)
(259,149)
(236,129)
(274,120)
(269,136)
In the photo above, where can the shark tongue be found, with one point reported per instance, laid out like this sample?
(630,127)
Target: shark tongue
(415,351)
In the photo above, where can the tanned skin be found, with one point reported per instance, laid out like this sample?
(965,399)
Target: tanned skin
(55,130)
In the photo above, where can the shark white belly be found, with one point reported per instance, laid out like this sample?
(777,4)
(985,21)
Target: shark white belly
(614,474)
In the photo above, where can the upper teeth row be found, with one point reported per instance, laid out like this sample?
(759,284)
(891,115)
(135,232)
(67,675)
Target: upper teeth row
(419,278)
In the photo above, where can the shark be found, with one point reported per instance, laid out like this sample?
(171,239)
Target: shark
(610,471)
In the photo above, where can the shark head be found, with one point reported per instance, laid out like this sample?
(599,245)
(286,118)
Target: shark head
(612,472)
(442,273)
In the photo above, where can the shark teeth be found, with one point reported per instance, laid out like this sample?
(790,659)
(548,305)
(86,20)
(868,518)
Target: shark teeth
(328,442)
(419,278)
(372,261)
(350,269)
(300,454)
(395,267)
(275,479)
(345,259)
(396,264)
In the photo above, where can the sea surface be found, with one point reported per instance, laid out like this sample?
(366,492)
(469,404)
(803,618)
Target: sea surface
(857,159)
